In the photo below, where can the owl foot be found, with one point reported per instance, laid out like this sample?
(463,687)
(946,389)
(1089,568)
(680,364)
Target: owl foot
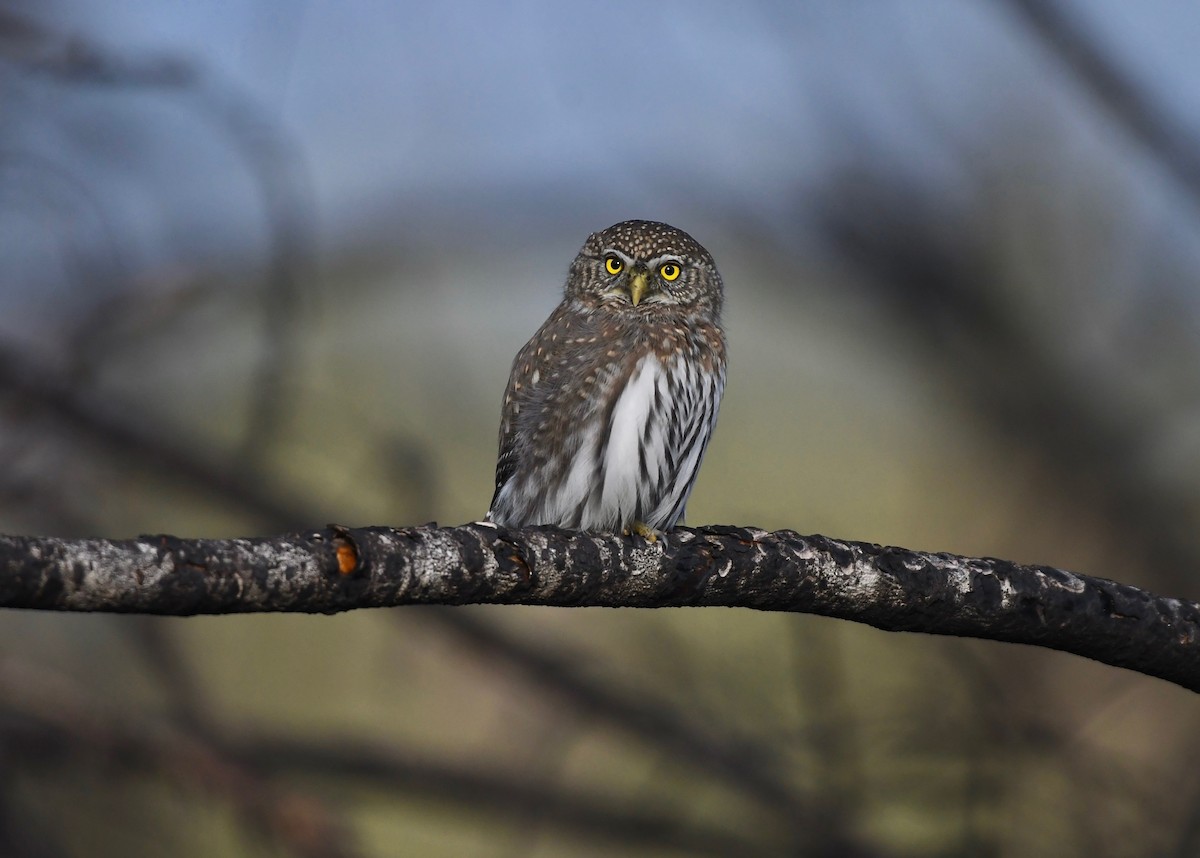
(645,531)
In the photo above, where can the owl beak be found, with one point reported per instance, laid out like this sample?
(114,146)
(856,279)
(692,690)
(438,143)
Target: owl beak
(639,285)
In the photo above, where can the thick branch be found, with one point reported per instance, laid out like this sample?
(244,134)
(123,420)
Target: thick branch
(339,569)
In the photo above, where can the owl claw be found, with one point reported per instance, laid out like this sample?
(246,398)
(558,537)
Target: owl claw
(645,531)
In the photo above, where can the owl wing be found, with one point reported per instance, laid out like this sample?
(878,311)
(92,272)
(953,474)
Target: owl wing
(506,465)
(506,460)
(540,359)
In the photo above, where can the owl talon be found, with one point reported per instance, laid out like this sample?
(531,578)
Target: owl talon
(645,531)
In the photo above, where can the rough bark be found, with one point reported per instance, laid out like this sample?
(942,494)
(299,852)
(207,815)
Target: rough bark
(339,569)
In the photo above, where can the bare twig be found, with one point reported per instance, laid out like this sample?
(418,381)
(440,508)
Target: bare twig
(44,718)
(274,164)
(1114,89)
(141,439)
(742,763)
(58,719)
(512,795)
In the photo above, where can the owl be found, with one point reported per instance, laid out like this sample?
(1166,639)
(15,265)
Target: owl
(610,405)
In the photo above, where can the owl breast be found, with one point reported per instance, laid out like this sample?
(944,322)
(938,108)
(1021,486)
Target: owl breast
(636,460)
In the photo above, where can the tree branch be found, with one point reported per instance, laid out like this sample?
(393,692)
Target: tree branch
(338,569)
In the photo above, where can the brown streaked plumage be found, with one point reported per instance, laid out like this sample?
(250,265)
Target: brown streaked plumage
(610,405)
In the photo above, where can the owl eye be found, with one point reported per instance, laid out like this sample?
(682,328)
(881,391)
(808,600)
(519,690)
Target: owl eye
(613,264)
(669,271)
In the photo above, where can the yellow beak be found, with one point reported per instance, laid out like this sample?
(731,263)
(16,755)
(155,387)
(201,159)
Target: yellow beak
(639,285)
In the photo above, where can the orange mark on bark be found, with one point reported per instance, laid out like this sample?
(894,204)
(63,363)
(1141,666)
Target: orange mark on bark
(347,557)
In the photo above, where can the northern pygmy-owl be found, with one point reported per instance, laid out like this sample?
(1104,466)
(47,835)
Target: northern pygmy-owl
(610,405)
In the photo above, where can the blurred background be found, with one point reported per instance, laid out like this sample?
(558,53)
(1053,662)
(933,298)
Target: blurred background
(264,265)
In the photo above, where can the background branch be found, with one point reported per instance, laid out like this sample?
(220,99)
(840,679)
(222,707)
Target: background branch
(1132,106)
(246,293)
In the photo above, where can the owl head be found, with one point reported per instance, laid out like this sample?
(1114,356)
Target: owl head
(645,266)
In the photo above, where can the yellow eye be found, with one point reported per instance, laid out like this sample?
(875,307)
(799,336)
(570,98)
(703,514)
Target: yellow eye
(669,271)
(613,265)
